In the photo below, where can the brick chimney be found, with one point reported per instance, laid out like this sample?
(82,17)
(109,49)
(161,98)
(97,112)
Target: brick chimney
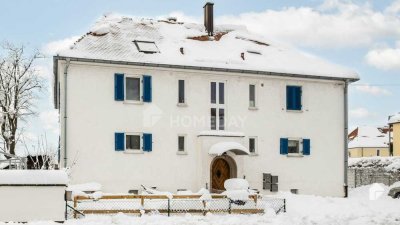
(209,18)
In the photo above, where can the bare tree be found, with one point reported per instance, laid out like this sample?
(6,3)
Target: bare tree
(41,156)
(19,81)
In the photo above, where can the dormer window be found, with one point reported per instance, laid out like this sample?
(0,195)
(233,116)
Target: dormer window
(148,47)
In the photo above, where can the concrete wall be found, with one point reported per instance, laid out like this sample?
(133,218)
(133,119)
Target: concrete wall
(32,203)
(367,152)
(94,116)
(396,139)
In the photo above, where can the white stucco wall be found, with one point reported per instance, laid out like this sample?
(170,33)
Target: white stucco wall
(94,116)
(32,203)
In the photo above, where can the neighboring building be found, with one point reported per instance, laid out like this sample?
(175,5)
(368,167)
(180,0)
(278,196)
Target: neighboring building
(172,105)
(394,123)
(367,141)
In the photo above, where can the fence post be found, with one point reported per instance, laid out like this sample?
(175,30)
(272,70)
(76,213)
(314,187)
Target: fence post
(230,206)
(142,204)
(284,205)
(169,206)
(75,205)
(204,208)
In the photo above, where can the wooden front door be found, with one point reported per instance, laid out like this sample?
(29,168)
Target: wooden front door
(220,172)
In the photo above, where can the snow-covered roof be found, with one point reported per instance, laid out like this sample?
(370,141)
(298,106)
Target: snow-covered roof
(50,177)
(369,137)
(222,147)
(395,119)
(115,38)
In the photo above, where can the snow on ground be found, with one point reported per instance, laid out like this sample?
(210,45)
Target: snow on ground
(358,209)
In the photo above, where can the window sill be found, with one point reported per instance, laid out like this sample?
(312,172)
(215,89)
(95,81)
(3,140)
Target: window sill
(133,102)
(253,108)
(181,104)
(295,155)
(253,154)
(133,152)
(294,111)
(181,153)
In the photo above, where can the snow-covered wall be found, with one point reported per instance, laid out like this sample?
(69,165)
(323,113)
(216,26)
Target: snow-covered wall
(94,116)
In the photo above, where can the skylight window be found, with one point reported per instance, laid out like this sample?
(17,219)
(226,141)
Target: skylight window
(146,46)
(254,52)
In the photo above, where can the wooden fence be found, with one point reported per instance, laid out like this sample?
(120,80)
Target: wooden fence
(140,204)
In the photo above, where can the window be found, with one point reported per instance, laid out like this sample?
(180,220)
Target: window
(132,88)
(181,91)
(293,97)
(378,152)
(252,96)
(133,142)
(213,92)
(293,147)
(253,145)
(213,118)
(181,144)
(221,119)
(148,47)
(221,94)
(217,105)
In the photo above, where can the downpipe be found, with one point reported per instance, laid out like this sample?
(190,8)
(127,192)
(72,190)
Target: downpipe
(65,109)
(346,131)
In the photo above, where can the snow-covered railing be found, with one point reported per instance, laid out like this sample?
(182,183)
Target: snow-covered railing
(196,204)
(11,161)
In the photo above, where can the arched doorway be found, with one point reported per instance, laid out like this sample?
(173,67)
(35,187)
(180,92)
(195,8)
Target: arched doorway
(222,168)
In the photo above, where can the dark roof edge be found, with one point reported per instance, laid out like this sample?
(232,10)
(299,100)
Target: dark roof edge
(56,58)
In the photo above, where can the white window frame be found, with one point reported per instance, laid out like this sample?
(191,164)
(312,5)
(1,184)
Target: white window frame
(217,105)
(140,91)
(184,152)
(255,145)
(300,153)
(255,96)
(141,143)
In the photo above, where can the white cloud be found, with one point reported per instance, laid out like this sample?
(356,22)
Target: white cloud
(394,7)
(360,113)
(373,90)
(50,120)
(52,48)
(385,58)
(333,24)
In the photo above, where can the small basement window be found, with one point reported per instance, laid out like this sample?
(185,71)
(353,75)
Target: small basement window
(148,47)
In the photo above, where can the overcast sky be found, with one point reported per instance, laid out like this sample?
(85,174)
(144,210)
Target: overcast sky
(362,35)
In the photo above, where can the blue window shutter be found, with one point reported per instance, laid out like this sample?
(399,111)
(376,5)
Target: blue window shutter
(119,141)
(306,146)
(298,93)
(284,146)
(119,87)
(289,98)
(147,88)
(147,142)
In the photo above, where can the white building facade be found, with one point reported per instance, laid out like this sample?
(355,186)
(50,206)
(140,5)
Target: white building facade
(127,123)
